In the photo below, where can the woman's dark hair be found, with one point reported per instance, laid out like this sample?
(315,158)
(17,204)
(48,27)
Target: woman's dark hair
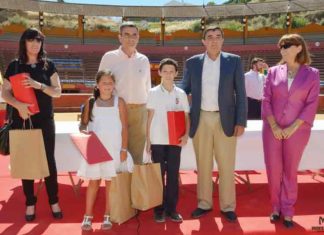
(31,33)
(99,75)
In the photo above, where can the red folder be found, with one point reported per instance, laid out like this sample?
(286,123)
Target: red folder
(3,113)
(91,147)
(22,93)
(176,126)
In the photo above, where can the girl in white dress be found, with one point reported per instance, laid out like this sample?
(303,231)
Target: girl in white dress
(105,114)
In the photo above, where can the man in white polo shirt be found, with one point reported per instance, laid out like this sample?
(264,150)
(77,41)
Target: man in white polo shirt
(133,82)
(254,81)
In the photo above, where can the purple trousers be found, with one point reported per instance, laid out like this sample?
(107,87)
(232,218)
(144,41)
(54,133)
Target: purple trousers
(282,158)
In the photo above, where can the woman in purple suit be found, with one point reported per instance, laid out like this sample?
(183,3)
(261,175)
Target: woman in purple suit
(288,110)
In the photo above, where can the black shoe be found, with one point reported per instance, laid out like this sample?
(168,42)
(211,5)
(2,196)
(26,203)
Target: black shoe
(229,215)
(57,215)
(30,217)
(288,223)
(274,218)
(175,217)
(159,217)
(198,212)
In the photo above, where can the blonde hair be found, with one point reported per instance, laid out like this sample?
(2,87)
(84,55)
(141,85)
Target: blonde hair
(303,57)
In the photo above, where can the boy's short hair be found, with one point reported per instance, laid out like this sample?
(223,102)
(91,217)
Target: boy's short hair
(127,24)
(168,61)
(255,60)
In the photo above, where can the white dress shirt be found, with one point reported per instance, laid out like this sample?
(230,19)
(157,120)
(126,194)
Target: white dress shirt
(290,81)
(132,75)
(161,101)
(254,82)
(210,83)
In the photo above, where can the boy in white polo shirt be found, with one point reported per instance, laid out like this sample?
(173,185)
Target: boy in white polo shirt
(161,99)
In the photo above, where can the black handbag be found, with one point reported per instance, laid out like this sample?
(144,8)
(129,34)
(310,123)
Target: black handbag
(4,132)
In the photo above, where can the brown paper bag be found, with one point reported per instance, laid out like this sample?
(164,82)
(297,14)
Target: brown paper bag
(147,188)
(27,154)
(120,198)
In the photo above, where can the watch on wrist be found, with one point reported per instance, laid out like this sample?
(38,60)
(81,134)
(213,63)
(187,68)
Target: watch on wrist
(43,87)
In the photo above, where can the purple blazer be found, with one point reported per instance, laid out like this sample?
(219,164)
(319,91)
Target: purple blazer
(300,102)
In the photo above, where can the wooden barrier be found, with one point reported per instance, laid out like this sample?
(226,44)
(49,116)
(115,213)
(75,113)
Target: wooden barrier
(73,102)
(70,102)
(321,104)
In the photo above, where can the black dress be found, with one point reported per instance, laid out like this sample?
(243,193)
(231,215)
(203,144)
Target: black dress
(40,72)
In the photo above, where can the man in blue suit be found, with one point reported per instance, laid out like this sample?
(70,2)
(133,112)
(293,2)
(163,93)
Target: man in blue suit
(218,113)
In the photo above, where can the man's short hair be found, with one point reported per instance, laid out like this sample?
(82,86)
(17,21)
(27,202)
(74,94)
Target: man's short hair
(127,24)
(255,60)
(168,61)
(212,28)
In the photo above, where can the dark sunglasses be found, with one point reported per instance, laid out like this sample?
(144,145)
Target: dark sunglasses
(286,45)
(32,39)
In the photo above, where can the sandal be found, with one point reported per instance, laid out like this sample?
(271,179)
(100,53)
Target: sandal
(106,224)
(87,223)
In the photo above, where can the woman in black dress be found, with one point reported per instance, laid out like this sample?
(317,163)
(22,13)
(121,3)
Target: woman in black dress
(46,84)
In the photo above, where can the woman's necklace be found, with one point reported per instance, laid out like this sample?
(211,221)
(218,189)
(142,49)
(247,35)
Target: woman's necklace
(32,63)
(291,74)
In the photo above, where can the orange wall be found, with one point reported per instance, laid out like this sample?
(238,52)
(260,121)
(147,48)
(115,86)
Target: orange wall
(100,33)
(13,28)
(266,32)
(321,104)
(180,34)
(311,28)
(62,32)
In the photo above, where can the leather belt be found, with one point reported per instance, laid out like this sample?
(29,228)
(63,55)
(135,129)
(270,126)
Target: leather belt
(210,111)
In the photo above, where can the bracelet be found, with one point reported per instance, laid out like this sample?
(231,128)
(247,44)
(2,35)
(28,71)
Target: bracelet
(123,150)
(295,127)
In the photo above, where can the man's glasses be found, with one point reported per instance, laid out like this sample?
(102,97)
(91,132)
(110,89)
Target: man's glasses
(286,45)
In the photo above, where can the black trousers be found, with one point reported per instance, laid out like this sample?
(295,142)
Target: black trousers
(48,130)
(254,109)
(169,158)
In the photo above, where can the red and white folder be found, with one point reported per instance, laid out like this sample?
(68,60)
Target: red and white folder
(176,126)
(91,147)
(22,93)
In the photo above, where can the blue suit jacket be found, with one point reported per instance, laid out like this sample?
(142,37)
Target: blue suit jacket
(231,91)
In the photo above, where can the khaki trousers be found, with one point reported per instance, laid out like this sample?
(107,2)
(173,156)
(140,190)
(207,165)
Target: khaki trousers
(210,141)
(137,117)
